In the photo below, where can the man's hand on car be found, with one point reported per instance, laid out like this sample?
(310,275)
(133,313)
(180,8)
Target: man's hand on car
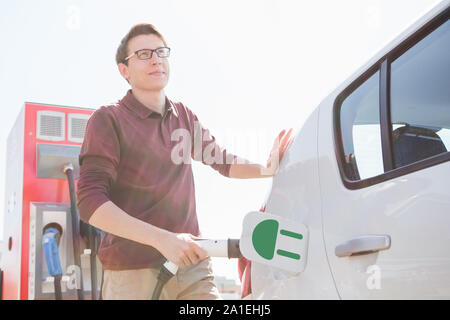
(280,145)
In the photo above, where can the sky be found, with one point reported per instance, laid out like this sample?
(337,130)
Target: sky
(248,69)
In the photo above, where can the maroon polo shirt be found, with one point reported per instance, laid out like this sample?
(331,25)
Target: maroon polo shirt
(127,157)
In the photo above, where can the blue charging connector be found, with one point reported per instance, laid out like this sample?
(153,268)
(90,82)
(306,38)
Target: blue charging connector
(51,251)
(50,243)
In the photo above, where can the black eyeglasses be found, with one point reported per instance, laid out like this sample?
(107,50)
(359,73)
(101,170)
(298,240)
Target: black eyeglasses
(144,54)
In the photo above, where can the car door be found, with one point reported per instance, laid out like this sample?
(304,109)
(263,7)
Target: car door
(295,196)
(384,168)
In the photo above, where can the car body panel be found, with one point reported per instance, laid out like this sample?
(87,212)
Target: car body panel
(309,189)
(412,209)
(300,202)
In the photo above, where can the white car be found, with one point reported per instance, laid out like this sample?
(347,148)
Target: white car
(369,175)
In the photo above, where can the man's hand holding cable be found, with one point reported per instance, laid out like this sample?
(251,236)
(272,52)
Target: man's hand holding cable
(181,249)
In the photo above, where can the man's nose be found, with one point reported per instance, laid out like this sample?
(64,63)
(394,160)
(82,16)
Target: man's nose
(155,59)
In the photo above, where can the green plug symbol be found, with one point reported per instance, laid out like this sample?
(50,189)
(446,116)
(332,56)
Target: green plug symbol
(264,238)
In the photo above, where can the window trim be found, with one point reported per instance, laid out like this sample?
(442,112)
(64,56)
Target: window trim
(383,66)
(385,116)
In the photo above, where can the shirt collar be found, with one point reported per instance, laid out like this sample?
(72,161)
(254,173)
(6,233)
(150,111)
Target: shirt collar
(132,104)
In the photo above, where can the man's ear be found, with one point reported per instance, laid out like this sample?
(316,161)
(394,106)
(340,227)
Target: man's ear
(123,69)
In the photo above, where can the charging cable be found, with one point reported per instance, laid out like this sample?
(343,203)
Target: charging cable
(228,248)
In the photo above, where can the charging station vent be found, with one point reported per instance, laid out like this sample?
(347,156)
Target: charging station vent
(77,126)
(50,125)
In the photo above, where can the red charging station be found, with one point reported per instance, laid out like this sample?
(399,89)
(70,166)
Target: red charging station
(43,139)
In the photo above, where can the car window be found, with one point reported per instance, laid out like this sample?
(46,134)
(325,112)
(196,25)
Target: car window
(360,131)
(444,134)
(420,99)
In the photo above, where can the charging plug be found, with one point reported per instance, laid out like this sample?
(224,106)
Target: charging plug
(275,241)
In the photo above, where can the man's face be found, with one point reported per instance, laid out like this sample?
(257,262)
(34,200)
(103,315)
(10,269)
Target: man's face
(151,74)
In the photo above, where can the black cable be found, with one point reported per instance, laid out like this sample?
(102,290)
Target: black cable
(157,291)
(100,296)
(93,258)
(75,228)
(163,276)
(98,240)
(57,285)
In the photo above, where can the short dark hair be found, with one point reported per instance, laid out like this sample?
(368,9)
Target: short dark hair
(137,30)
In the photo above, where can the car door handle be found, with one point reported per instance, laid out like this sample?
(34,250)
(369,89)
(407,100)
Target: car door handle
(363,245)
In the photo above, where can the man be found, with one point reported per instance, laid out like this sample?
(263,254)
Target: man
(133,186)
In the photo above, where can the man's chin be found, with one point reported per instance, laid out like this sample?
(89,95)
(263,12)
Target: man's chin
(152,87)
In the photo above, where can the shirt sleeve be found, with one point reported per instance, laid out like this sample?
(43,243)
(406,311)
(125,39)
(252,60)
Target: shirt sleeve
(206,149)
(99,159)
